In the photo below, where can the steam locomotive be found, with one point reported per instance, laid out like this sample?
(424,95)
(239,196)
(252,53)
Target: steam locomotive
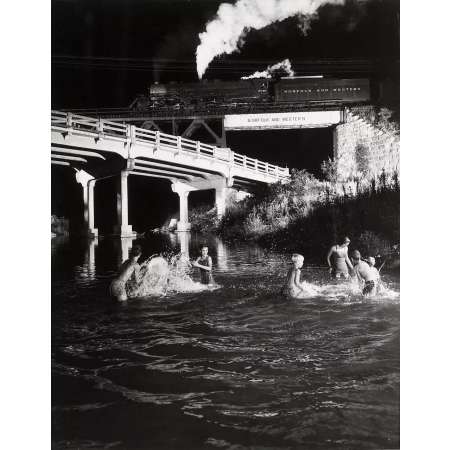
(256,91)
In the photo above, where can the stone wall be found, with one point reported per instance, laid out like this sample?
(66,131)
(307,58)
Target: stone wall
(363,149)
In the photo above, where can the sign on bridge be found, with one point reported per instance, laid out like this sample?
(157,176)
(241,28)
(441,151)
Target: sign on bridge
(307,119)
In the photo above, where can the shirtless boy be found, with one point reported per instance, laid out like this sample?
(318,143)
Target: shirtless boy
(292,286)
(130,268)
(341,263)
(374,271)
(365,273)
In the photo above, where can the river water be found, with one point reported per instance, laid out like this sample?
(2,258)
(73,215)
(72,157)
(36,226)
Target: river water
(236,367)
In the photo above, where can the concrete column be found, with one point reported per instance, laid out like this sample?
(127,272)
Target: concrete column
(183,223)
(220,200)
(91,230)
(85,179)
(122,228)
(183,193)
(85,206)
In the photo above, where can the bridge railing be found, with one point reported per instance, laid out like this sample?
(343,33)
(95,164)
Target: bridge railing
(69,122)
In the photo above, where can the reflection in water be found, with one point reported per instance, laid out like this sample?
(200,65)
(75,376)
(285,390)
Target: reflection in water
(184,239)
(236,367)
(222,254)
(125,245)
(88,269)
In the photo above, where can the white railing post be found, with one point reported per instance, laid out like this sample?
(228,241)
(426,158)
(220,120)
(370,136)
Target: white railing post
(256,166)
(69,124)
(267,167)
(157,140)
(214,151)
(178,144)
(244,162)
(197,148)
(100,128)
(133,134)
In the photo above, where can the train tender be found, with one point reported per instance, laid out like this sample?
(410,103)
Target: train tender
(256,91)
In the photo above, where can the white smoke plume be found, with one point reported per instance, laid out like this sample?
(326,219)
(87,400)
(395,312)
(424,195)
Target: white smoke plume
(226,32)
(284,65)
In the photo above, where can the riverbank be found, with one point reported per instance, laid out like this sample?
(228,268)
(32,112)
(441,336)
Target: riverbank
(308,215)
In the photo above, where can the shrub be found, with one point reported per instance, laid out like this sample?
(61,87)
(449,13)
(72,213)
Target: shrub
(372,244)
(203,219)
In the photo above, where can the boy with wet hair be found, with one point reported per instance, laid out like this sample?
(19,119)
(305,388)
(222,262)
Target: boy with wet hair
(204,263)
(129,270)
(365,273)
(292,285)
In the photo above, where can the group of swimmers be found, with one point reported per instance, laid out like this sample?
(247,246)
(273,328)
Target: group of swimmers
(340,265)
(364,270)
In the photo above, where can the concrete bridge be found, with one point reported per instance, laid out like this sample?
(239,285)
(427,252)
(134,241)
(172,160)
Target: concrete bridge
(98,149)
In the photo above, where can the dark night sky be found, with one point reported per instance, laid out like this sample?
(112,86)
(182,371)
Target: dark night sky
(105,52)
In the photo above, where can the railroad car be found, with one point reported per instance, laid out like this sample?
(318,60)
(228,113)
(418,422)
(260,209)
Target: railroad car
(321,90)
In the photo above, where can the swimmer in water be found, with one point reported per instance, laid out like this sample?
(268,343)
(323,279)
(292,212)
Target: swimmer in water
(130,270)
(341,262)
(204,263)
(374,271)
(365,273)
(292,286)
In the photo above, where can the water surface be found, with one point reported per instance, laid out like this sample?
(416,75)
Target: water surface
(235,367)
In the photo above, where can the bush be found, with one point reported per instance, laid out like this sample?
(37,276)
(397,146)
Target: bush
(372,244)
(203,219)
(309,215)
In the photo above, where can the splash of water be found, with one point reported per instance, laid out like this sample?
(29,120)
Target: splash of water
(160,276)
(226,32)
(349,290)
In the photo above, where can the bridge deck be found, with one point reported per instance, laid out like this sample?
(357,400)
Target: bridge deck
(148,142)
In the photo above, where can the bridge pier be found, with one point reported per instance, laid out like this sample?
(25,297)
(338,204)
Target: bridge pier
(123,229)
(221,187)
(221,199)
(183,193)
(87,182)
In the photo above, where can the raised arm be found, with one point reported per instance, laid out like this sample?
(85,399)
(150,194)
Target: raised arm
(330,252)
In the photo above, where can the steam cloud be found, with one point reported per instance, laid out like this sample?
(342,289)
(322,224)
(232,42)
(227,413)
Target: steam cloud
(227,31)
(284,65)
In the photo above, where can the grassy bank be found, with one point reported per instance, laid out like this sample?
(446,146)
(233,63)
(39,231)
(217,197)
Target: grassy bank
(309,215)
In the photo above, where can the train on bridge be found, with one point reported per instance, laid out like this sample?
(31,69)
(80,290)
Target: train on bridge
(254,92)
